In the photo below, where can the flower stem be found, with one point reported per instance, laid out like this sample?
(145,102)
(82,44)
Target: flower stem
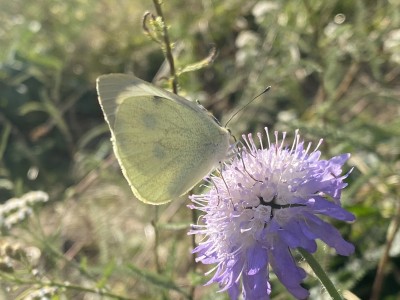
(320,273)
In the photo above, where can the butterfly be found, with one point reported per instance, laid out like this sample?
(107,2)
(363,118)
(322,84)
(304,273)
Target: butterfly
(164,143)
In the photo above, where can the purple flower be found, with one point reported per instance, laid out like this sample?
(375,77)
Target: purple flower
(266,202)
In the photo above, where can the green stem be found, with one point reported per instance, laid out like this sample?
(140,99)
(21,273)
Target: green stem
(194,264)
(320,273)
(168,50)
(156,241)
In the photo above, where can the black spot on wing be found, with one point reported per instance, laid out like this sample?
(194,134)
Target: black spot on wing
(149,121)
(159,151)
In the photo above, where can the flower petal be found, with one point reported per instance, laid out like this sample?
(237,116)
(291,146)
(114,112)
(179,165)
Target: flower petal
(329,234)
(325,207)
(256,286)
(286,270)
(257,259)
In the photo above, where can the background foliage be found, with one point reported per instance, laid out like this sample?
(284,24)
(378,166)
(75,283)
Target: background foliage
(334,70)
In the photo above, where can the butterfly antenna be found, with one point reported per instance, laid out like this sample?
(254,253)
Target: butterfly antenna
(242,108)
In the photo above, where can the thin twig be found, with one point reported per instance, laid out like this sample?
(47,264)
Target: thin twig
(170,58)
(347,80)
(168,50)
(156,241)
(194,264)
(380,272)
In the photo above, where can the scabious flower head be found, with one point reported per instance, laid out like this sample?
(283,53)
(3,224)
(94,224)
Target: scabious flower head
(266,202)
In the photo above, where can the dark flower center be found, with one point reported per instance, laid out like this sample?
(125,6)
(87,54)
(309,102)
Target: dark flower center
(275,205)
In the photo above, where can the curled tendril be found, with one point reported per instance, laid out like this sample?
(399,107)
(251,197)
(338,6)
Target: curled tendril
(150,33)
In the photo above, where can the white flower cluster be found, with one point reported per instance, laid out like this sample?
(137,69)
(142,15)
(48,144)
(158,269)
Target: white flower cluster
(16,210)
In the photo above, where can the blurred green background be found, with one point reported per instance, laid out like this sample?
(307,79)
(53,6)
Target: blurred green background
(334,70)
